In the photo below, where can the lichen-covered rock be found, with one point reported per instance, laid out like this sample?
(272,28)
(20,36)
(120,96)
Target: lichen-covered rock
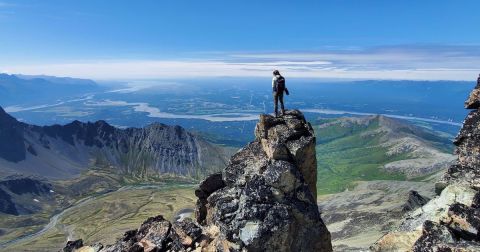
(437,209)
(290,137)
(464,221)
(473,101)
(397,241)
(451,221)
(268,204)
(264,200)
(434,235)
(467,169)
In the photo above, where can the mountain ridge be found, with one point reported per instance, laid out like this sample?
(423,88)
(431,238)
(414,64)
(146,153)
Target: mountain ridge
(63,151)
(15,90)
(351,149)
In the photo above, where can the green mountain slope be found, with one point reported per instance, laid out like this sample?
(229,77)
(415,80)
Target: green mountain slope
(376,148)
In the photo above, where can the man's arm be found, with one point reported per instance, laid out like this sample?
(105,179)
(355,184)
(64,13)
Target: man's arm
(273,84)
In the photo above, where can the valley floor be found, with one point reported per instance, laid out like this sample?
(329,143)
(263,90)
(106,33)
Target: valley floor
(359,217)
(105,218)
(356,218)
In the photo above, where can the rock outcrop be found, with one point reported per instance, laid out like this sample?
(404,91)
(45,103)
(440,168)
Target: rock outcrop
(264,200)
(451,221)
(473,101)
(414,201)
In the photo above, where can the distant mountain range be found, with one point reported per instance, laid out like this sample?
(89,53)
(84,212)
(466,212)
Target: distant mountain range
(64,151)
(377,148)
(23,88)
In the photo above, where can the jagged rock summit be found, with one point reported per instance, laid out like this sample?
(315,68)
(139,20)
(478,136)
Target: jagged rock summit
(451,221)
(264,200)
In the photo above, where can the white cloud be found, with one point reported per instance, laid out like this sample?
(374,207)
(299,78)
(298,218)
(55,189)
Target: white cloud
(408,62)
(6,4)
(6,10)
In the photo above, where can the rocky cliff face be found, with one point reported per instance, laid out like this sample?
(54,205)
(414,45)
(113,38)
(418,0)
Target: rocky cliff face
(63,151)
(451,221)
(264,200)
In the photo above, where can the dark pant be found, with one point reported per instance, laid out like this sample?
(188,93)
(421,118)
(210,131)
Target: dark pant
(278,97)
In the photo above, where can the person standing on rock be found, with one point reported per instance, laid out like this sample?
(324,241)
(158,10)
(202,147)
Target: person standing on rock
(478,82)
(278,87)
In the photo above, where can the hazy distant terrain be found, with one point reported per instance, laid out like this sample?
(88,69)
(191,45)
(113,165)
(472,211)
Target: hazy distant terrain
(224,109)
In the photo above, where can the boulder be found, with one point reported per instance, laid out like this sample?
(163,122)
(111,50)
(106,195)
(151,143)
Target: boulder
(209,185)
(397,241)
(158,234)
(73,245)
(433,236)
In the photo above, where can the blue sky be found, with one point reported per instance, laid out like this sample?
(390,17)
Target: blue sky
(313,39)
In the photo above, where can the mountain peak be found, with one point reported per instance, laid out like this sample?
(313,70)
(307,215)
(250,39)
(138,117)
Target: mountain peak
(4,76)
(264,200)
(12,146)
(2,112)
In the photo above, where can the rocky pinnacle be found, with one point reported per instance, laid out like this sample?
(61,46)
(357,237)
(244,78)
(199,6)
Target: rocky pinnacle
(264,200)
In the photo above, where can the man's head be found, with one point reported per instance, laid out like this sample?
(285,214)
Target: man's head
(276,72)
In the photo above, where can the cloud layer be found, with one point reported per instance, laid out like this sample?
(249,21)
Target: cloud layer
(393,62)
